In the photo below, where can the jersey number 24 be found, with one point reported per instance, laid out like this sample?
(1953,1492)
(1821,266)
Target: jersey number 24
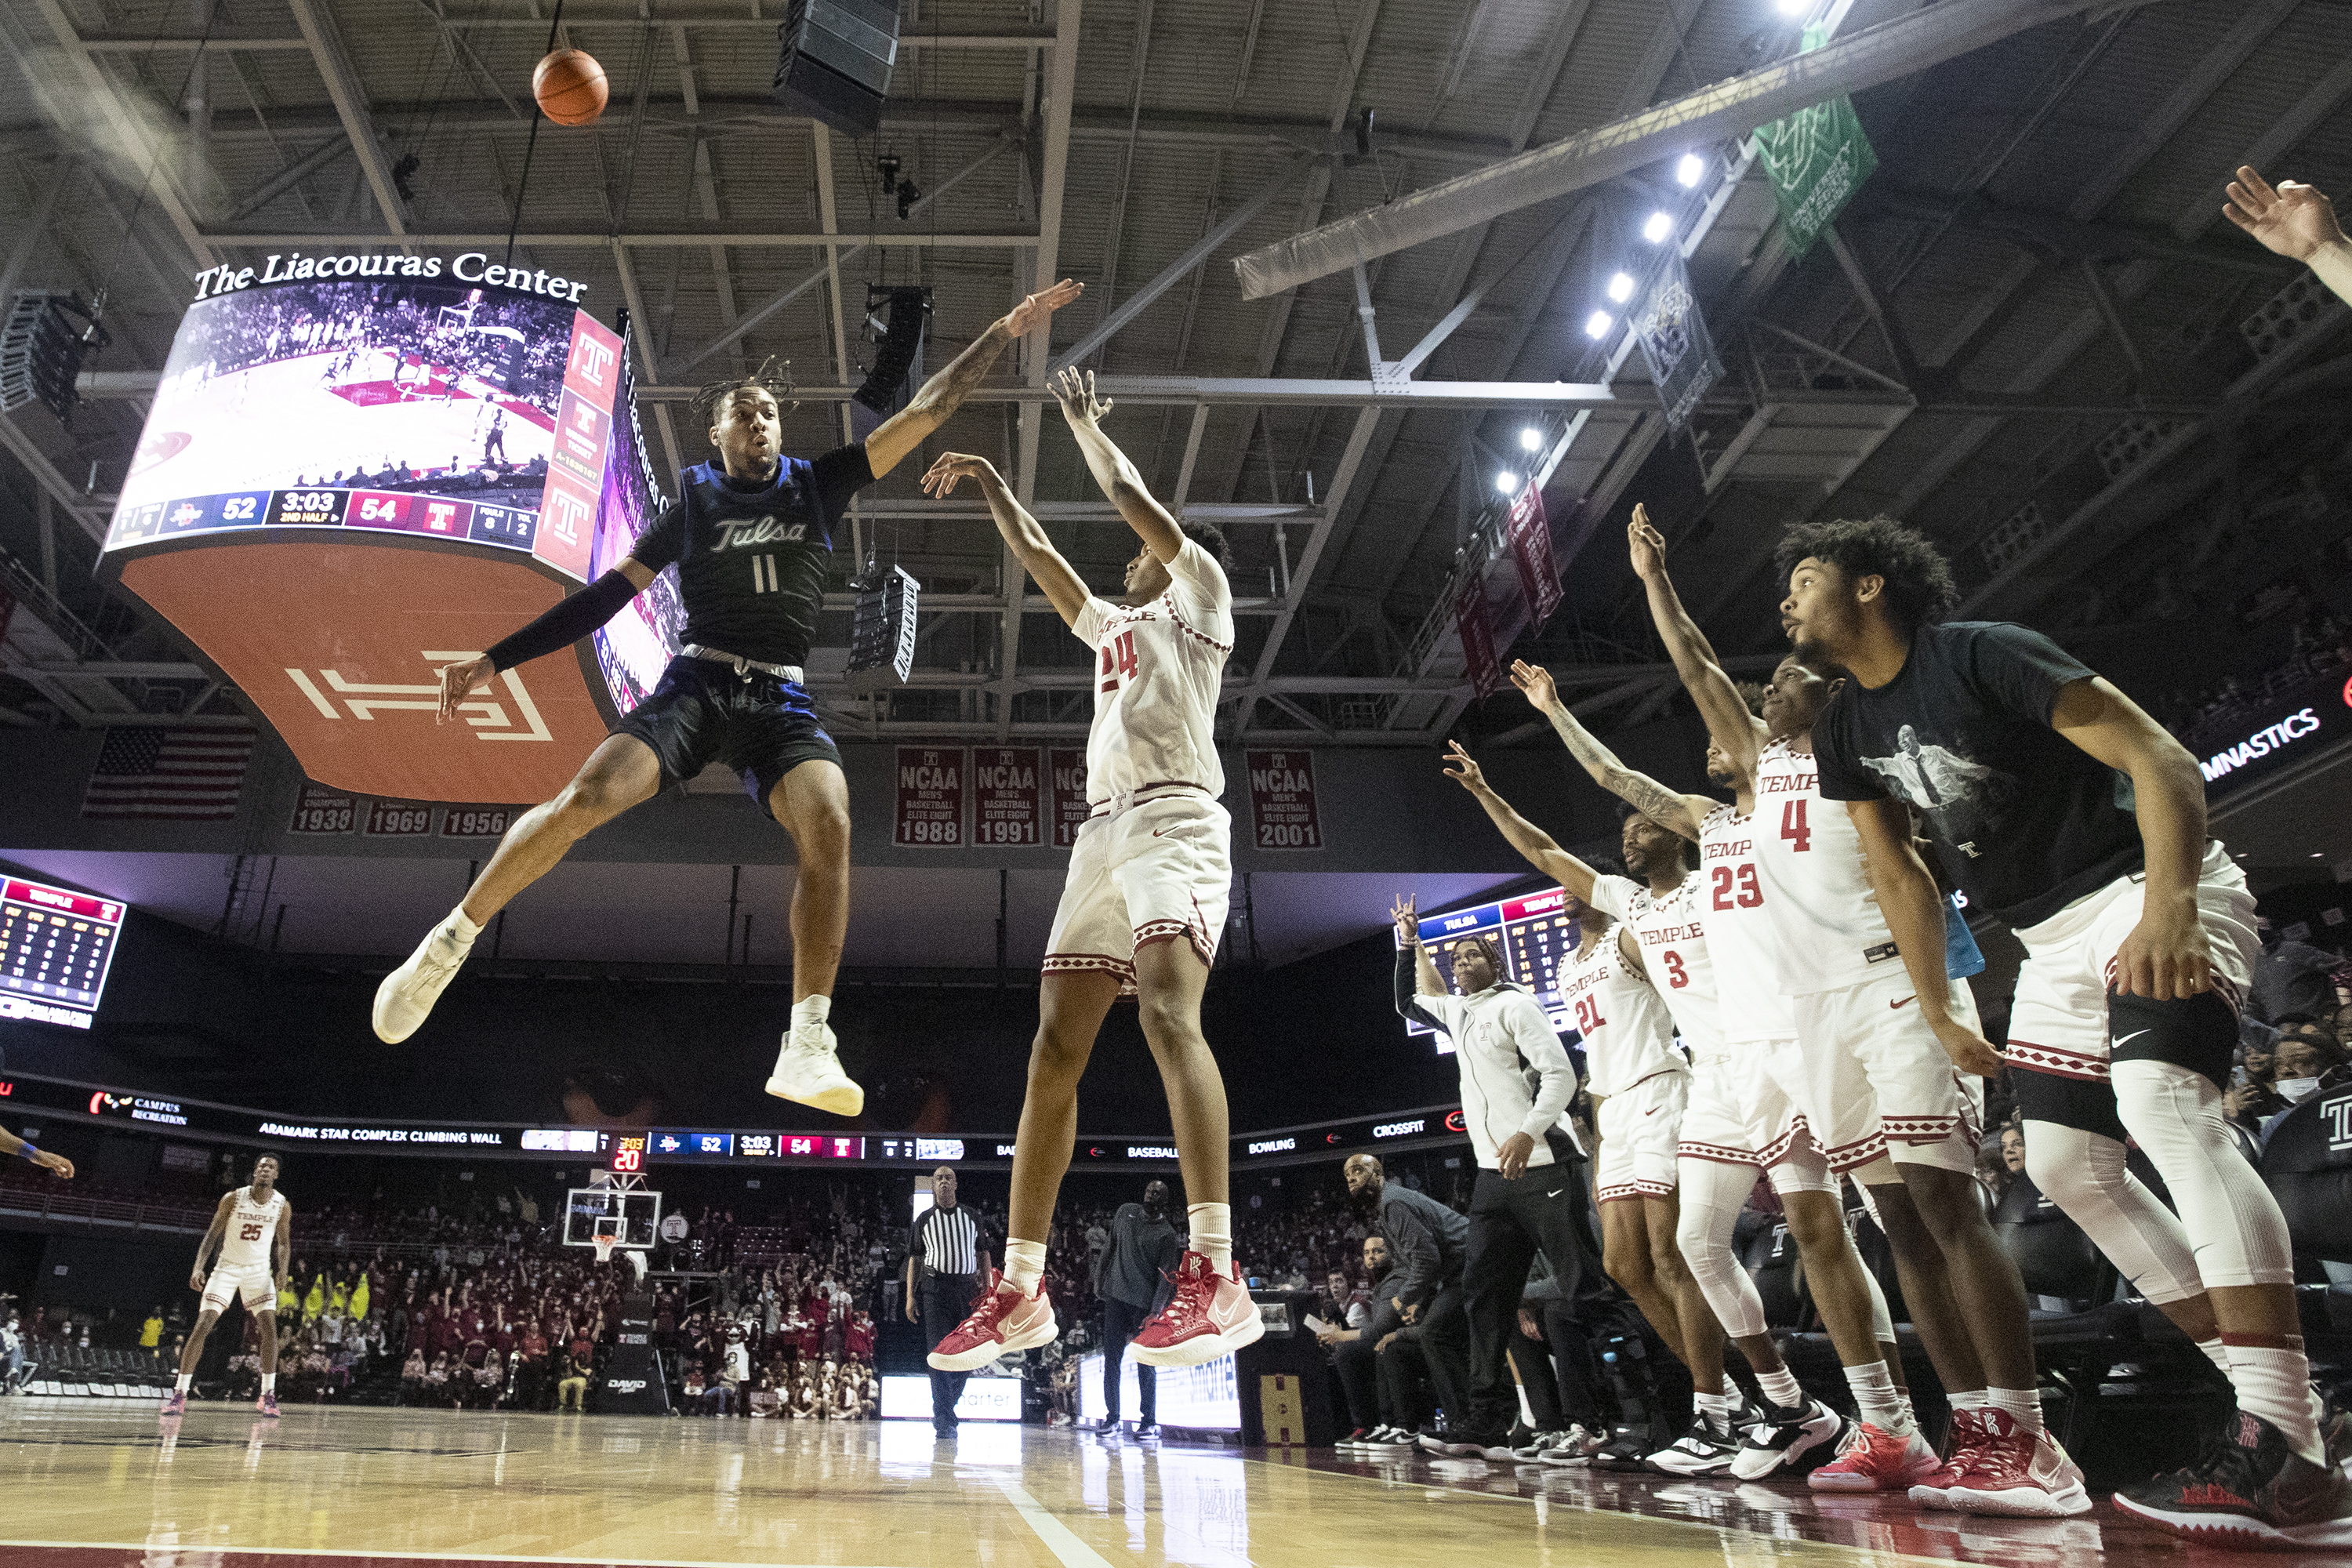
(1118,663)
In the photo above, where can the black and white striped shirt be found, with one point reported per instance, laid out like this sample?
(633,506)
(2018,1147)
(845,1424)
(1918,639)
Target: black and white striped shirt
(950,1241)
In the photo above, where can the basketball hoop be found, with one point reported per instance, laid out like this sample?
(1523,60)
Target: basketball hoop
(604,1244)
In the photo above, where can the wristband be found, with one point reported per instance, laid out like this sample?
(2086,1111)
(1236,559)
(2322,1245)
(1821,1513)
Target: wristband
(29,1152)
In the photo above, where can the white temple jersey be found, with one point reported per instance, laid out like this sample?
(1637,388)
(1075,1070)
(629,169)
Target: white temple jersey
(1747,968)
(1827,930)
(1628,1035)
(1157,669)
(1673,941)
(252,1231)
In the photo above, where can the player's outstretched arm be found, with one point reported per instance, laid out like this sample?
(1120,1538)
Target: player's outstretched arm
(1540,850)
(2294,220)
(1426,981)
(12,1144)
(1906,895)
(2166,956)
(557,627)
(1730,724)
(1670,809)
(1119,478)
(1056,578)
(944,393)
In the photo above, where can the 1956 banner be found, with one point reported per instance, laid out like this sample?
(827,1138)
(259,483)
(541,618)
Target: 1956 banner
(930,782)
(1282,800)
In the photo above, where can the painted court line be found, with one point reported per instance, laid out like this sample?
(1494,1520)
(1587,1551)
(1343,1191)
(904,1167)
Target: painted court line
(402,1555)
(1059,1537)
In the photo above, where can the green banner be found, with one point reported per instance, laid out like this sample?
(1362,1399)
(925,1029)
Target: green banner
(1818,158)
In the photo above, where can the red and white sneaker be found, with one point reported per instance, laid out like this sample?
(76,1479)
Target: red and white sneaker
(1005,1322)
(2024,1474)
(267,1405)
(1876,1460)
(1967,1439)
(1209,1314)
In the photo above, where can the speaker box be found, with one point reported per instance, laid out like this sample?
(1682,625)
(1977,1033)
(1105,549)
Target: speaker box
(836,60)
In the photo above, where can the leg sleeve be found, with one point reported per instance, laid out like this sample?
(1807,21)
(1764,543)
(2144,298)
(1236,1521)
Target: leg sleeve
(1713,1192)
(2084,1173)
(2232,1223)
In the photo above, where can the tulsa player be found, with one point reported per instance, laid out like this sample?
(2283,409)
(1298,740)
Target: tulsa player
(253,1228)
(1880,1095)
(1150,879)
(751,538)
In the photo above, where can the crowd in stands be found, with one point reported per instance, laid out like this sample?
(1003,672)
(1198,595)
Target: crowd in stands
(2223,712)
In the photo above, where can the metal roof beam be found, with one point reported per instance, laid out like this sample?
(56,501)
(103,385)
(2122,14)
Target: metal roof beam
(636,241)
(350,96)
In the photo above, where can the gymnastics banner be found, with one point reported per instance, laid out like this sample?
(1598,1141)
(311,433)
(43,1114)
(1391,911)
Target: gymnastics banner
(1818,158)
(930,798)
(1675,341)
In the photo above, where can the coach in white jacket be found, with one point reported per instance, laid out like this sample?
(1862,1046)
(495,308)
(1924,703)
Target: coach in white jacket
(1524,1197)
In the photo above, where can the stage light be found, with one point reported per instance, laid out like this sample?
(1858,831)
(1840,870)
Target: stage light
(1507,482)
(1660,226)
(1792,7)
(1597,324)
(1531,439)
(1690,170)
(1620,287)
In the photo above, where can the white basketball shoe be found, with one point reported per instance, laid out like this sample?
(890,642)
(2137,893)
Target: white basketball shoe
(808,1069)
(408,993)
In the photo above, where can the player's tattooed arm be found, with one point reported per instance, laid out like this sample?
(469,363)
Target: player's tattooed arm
(212,1237)
(1670,809)
(945,392)
(1539,849)
(1907,896)
(1736,732)
(1056,578)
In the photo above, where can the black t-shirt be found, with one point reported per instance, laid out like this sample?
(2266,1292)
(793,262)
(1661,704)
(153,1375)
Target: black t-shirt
(2033,821)
(750,557)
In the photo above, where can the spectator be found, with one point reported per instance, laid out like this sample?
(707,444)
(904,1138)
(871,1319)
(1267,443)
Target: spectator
(1429,1242)
(151,1333)
(1354,1347)
(572,1392)
(412,1378)
(1135,1276)
(2291,978)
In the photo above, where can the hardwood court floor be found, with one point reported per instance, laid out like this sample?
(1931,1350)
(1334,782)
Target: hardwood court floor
(102,1484)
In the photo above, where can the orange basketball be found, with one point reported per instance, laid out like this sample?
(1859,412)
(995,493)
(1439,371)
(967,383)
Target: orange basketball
(569,87)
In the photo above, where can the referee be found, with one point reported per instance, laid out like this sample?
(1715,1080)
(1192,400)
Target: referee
(944,1262)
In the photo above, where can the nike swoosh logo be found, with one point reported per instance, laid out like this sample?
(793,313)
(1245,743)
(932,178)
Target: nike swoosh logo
(1652,1111)
(1905,1003)
(2127,1039)
(1227,1320)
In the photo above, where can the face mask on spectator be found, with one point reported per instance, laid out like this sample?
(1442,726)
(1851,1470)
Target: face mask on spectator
(2295,1090)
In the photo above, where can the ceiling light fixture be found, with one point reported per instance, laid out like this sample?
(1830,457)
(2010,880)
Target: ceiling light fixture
(1660,226)
(1597,324)
(1620,287)
(1688,171)
(1531,439)
(1507,482)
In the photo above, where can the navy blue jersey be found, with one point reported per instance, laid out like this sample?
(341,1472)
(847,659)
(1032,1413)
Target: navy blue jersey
(751,558)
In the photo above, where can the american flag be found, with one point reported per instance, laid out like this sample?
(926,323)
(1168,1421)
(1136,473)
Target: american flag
(173,775)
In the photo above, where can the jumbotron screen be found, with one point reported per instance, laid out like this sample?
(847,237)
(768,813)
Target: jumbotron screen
(417,407)
(56,947)
(634,647)
(1535,932)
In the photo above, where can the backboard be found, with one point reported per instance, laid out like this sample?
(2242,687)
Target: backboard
(631,1211)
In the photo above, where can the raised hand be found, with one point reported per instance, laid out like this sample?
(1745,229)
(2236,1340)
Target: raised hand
(1075,390)
(1407,917)
(50,1160)
(939,481)
(1536,684)
(1033,311)
(459,681)
(2289,219)
(1647,546)
(1462,770)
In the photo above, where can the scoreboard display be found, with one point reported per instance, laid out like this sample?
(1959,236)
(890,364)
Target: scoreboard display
(1536,934)
(56,946)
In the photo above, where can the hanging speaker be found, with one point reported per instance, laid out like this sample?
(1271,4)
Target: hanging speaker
(882,632)
(898,362)
(836,60)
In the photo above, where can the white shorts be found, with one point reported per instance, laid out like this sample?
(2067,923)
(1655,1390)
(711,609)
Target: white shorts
(1160,870)
(1638,1130)
(1739,1114)
(251,1281)
(1873,1078)
(2058,1023)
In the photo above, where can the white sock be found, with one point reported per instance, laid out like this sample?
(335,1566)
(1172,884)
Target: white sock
(817,1008)
(186,1379)
(2023,1404)
(464,929)
(1967,1399)
(2217,1352)
(1213,1232)
(268,1383)
(2273,1381)
(1716,1408)
(1782,1388)
(1880,1403)
(1024,1265)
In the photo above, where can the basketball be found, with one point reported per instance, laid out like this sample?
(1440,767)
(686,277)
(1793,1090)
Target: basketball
(569,87)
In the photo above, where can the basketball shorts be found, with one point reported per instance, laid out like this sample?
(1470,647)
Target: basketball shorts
(1739,1114)
(1873,1078)
(249,1281)
(1158,871)
(759,725)
(2065,1025)
(1639,1131)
